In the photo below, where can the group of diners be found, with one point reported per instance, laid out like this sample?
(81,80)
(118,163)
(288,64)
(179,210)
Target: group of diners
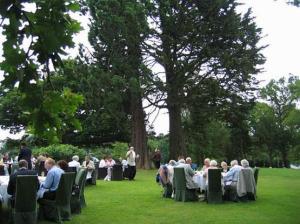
(198,179)
(47,187)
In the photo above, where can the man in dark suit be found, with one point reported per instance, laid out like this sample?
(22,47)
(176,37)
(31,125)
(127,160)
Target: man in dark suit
(25,154)
(23,170)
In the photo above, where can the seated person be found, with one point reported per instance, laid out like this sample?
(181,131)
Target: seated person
(102,163)
(109,164)
(224,167)
(189,173)
(63,165)
(245,164)
(90,166)
(206,164)
(49,187)
(23,170)
(74,162)
(212,165)
(170,166)
(232,175)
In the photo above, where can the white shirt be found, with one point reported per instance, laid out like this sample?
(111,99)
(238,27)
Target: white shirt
(130,158)
(102,163)
(74,163)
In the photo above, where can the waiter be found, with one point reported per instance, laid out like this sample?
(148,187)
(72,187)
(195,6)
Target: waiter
(25,154)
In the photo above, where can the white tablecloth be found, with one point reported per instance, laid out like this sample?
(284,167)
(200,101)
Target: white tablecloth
(200,180)
(3,188)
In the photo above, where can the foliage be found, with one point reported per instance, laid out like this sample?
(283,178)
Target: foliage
(60,152)
(49,29)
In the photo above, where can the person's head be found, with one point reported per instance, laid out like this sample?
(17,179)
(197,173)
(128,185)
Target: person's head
(213,163)
(49,163)
(181,161)
(172,162)
(180,157)
(207,162)
(87,158)
(109,158)
(63,165)
(234,163)
(245,163)
(23,164)
(131,148)
(188,160)
(75,158)
(23,145)
(224,165)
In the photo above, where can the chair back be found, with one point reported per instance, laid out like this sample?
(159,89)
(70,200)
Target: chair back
(102,173)
(72,170)
(214,180)
(117,172)
(2,170)
(26,193)
(256,171)
(64,190)
(179,179)
(80,180)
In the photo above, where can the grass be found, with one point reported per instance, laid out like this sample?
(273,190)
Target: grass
(140,201)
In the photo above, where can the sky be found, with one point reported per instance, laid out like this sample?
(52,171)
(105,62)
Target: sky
(280,27)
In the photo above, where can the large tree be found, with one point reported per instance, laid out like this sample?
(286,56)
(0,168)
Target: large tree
(118,28)
(283,95)
(198,40)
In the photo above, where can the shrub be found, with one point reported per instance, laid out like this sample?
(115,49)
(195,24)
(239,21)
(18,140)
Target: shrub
(60,152)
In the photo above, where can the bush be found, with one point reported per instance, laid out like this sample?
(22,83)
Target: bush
(60,152)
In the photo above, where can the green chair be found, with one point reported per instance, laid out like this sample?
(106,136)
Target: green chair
(102,173)
(256,171)
(214,187)
(95,174)
(117,172)
(77,199)
(25,209)
(181,192)
(58,210)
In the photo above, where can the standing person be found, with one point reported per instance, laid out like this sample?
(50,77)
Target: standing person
(157,158)
(130,155)
(25,154)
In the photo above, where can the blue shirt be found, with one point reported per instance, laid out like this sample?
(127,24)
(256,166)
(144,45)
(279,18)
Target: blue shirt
(233,174)
(53,178)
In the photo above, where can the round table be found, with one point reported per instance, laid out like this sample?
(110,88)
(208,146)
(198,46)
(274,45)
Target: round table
(200,180)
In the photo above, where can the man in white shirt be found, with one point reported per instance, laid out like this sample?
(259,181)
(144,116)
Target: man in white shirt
(74,162)
(130,155)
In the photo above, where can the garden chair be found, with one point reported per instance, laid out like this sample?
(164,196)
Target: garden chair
(246,187)
(78,199)
(181,192)
(117,172)
(58,210)
(214,187)
(102,173)
(25,206)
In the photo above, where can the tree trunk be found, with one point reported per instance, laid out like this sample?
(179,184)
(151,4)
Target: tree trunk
(138,132)
(176,138)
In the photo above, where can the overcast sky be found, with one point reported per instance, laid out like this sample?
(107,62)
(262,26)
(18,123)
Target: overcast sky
(280,24)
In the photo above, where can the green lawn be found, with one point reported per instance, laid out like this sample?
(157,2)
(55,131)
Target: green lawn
(140,202)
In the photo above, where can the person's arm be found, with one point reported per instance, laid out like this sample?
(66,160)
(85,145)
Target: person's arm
(190,171)
(128,153)
(49,180)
